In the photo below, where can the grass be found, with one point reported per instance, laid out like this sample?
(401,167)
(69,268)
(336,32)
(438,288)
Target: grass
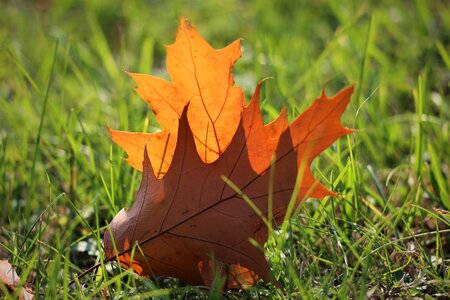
(62,179)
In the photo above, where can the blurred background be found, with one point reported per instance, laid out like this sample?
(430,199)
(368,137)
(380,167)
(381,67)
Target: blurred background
(382,47)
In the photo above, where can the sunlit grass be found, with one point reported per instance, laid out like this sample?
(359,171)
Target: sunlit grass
(62,81)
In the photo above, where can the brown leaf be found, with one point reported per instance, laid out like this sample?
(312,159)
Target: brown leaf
(187,218)
(9,277)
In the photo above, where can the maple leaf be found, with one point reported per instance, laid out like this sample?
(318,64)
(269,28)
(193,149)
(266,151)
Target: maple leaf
(201,77)
(186,214)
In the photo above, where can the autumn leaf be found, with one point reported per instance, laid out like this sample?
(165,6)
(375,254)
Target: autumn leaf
(201,77)
(189,217)
(11,280)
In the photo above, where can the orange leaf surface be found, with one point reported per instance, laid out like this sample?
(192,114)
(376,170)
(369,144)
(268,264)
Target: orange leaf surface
(201,76)
(186,219)
(159,154)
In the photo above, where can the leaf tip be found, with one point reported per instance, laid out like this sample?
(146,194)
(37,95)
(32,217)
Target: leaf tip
(185,24)
(146,159)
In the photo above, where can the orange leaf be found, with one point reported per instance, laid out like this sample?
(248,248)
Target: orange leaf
(260,154)
(203,75)
(160,153)
(167,105)
(9,277)
(187,217)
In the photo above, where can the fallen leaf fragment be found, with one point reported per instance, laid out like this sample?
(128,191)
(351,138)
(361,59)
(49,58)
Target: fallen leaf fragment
(10,279)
